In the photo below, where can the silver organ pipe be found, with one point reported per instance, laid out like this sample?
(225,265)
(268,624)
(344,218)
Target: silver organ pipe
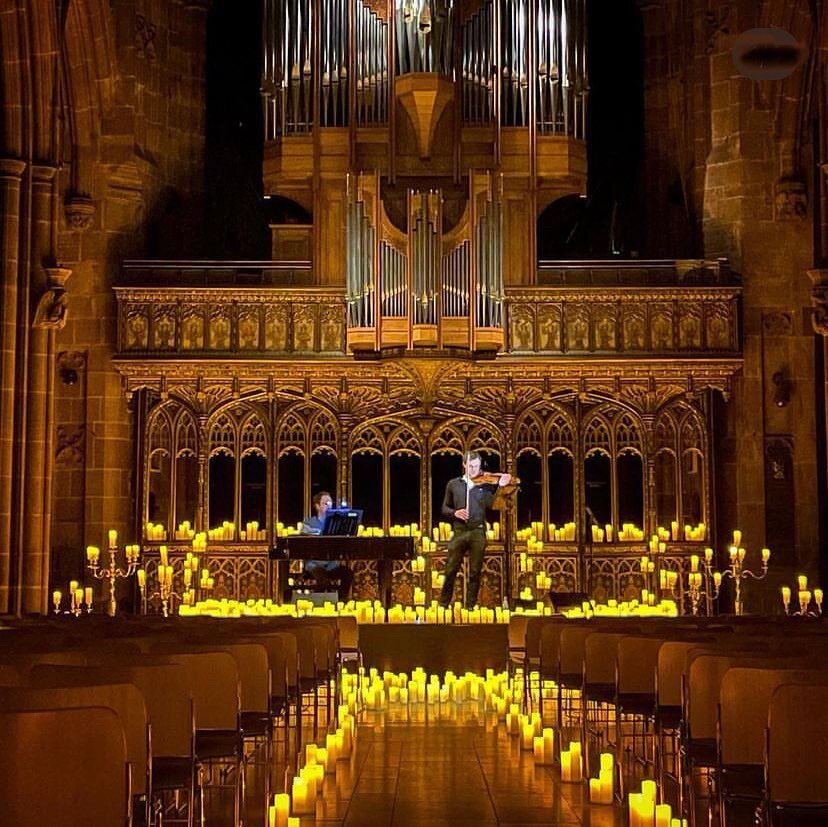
(455,288)
(488,286)
(334,62)
(371,62)
(393,282)
(424,227)
(478,45)
(425,36)
(360,236)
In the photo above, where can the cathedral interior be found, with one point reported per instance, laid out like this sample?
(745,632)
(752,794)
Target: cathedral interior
(254,253)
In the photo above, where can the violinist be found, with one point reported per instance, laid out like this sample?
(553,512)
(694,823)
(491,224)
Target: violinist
(465,504)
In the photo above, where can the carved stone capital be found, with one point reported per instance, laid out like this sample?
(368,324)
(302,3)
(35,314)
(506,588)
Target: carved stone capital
(819,300)
(79,211)
(791,199)
(57,276)
(11,168)
(50,313)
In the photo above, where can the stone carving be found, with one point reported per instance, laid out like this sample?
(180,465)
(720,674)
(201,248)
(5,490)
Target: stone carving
(50,313)
(791,200)
(79,211)
(716,23)
(69,450)
(819,299)
(144,37)
(777,324)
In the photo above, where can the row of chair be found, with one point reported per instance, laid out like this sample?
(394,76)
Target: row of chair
(695,701)
(170,708)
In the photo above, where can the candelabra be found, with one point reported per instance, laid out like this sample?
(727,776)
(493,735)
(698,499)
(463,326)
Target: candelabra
(112,573)
(77,597)
(166,592)
(804,600)
(703,584)
(737,571)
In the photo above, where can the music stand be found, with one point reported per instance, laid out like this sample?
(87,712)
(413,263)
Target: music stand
(343,522)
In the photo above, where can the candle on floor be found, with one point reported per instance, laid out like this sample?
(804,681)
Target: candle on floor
(575,758)
(527,736)
(279,811)
(663,815)
(566,766)
(301,801)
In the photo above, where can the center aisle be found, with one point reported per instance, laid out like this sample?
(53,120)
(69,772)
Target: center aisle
(445,773)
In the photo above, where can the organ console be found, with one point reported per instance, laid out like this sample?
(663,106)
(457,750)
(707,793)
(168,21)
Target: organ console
(330,547)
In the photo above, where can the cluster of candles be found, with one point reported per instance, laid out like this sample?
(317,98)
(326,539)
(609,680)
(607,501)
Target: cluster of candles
(572,763)
(418,564)
(543,581)
(252,532)
(601,789)
(627,608)
(667,579)
(437,579)
(184,531)
(155,532)
(526,563)
(226,531)
(378,692)
(319,762)
(534,532)
(629,533)
(644,812)
(804,595)
(78,596)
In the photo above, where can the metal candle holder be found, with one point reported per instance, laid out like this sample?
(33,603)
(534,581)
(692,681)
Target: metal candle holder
(738,572)
(112,573)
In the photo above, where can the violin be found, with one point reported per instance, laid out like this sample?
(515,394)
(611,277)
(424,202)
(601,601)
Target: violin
(493,478)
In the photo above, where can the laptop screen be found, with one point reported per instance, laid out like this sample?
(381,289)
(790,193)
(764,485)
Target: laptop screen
(342,521)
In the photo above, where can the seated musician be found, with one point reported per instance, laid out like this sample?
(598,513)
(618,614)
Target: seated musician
(325,571)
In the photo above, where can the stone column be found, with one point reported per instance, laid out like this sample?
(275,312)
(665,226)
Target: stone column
(11,171)
(47,303)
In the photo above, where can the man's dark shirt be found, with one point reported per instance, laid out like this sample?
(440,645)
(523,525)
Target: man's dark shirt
(480,498)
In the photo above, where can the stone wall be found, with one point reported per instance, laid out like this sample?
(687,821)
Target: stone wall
(735,155)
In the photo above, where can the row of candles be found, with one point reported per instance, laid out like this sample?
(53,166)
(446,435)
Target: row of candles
(287,808)
(534,534)
(78,597)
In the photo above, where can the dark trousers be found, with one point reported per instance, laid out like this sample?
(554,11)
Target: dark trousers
(472,540)
(324,578)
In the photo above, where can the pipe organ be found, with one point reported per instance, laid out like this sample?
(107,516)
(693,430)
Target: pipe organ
(424,287)
(518,62)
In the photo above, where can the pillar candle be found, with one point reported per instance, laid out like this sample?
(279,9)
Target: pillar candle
(527,736)
(279,811)
(575,758)
(299,798)
(663,815)
(566,766)
(649,789)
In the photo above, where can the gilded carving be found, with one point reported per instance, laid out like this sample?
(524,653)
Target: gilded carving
(163,327)
(718,326)
(521,321)
(605,327)
(137,329)
(689,327)
(276,328)
(661,326)
(549,327)
(633,326)
(192,330)
(304,322)
(577,327)
(219,329)
(332,322)
(248,327)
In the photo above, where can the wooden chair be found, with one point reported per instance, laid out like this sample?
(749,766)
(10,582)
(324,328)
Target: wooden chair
(64,766)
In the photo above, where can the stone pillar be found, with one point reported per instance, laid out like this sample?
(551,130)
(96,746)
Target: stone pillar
(11,171)
(46,300)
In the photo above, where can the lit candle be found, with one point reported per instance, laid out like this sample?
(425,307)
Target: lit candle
(717,579)
(87,595)
(818,597)
(575,758)
(279,811)
(733,551)
(765,555)
(648,789)
(57,596)
(528,735)
(663,815)
(142,578)
(708,555)
(300,798)
(162,550)
(786,596)
(113,538)
(802,580)
(694,562)
(737,537)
